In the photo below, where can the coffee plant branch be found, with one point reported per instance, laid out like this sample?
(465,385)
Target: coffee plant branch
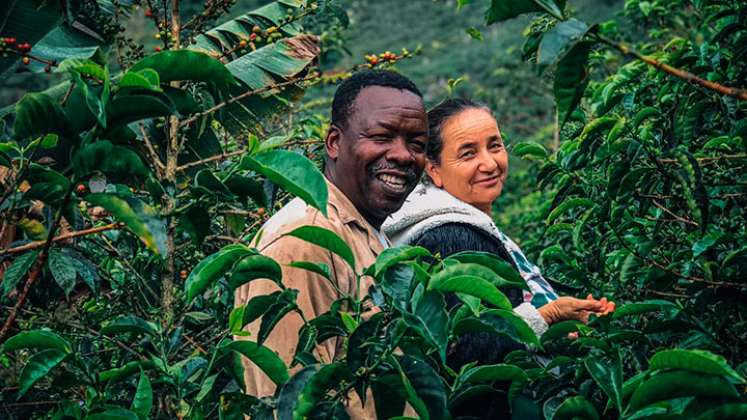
(152,152)
(210,159)
(35,270)
(246,94)
(65,236)
(687,76)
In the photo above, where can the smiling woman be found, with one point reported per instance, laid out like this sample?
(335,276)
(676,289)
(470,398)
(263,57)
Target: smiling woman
(452,212)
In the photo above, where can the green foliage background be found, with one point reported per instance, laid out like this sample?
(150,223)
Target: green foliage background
(627,180)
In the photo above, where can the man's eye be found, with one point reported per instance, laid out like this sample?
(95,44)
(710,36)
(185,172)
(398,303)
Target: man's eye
(418,146)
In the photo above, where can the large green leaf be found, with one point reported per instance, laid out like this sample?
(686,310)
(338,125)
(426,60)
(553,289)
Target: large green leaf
(17,269)
(38,114)
(130,324)
(680,383)
(47,184)
(64,42)
(187,65)
(143,400)
(264,358)
(255,308)
(255,267)
(37,367)
(113,414)
(326,239)
(27,21)
(41,339)
(142,219)
(608,376)
(571,78)
(499,321)
(576,407)
(428,387)
(697,361)
(558,39)
(325,379)
(293,172)
(124,371)
(497,373)
(288,396)
(285,303)
(501,10)
(63,270)
(210,269)
(469,279)
(643,307)
(395,255)
(507,275)
(110,159)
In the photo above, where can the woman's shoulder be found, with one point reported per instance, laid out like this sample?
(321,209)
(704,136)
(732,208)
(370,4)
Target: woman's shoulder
(452,237)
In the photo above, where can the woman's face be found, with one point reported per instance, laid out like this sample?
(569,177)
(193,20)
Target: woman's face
(474,162)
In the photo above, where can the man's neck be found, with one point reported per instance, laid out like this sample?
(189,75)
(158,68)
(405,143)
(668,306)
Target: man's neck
(372,220)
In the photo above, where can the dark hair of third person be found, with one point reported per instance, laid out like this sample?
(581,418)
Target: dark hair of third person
(349,89)
(437,118)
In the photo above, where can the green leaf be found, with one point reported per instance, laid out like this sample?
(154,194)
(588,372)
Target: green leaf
(559,39)
(501,10)
(608,377)
(318,268)
(82,66)
(431,310)
(285,303)
(189,65)
(680,383)
(576,407)
(109,159)
(567,205)
(292,172)
(196,222)
(255,267)
(143,400)
(47,184)
(17,269)
(265,359)
(130,324)
(469,279)
(126,370)
(428,388)
(215,266)
(571,78)
(325,379)
(493,373)
(388,395)
(474,33)
(508,276)
(114,414)
(395,255)
(643,307)
(38,114)
(126,108)
(288,396)
(326,239)
(36,339)
(37,367)
(733,411)
(695,360)
(143,79)
(142,219)
(28,21)
(529,149)
(561,330)
(63,270)
(499,321)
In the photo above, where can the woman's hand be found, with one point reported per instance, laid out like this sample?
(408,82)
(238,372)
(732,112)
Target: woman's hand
(570,308)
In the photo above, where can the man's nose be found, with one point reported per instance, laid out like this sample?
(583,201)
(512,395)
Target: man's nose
(399,152)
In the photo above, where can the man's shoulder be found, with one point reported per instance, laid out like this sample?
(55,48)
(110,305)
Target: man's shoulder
(293,215)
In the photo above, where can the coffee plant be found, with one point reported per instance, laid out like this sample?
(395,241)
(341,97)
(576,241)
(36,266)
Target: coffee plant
(132,188)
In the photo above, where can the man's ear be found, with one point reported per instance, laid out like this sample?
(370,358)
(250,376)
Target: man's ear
(332,141)
(434,172)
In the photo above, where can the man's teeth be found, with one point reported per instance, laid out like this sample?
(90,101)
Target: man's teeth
(393,180)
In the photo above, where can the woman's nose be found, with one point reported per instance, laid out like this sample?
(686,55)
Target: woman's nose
(487,162)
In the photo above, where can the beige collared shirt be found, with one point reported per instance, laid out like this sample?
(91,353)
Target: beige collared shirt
(316,294)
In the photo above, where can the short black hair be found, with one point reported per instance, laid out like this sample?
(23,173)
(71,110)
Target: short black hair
(437,118)
(349,89)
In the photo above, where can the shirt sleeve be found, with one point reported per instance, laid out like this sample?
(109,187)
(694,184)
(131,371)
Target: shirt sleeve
(315,296)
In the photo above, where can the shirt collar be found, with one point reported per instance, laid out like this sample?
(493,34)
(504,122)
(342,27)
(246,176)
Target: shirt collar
(348,213)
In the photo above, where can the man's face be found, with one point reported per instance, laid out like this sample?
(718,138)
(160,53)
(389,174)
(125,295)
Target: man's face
(379,154)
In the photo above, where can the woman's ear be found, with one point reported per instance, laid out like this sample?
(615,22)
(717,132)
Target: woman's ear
(332,141)
(434,174)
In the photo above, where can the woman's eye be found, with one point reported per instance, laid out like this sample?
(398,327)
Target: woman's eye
(467,154)
(496,146)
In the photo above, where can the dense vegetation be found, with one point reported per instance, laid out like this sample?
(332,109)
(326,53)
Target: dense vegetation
(131,186)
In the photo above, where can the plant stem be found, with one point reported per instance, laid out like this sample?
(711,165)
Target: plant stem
(70,235)
(738,93)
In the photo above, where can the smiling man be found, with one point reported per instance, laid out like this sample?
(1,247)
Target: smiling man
(375,155)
